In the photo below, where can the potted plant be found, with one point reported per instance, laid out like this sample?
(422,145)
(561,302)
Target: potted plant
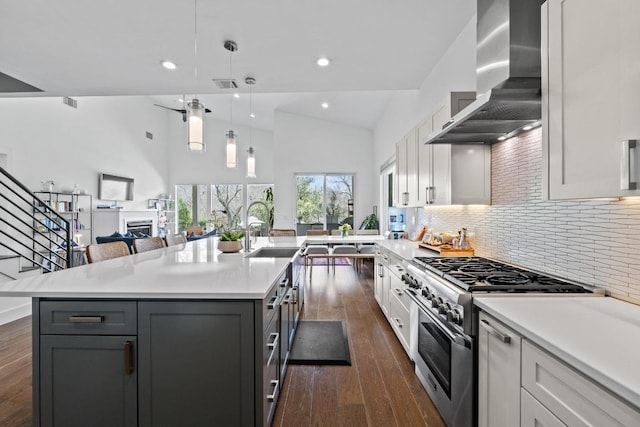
(230,240)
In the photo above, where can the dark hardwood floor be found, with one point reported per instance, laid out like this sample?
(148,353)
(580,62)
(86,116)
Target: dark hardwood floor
(15,373)
(378,389)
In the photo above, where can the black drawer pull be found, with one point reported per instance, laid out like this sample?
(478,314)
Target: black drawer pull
(86,319)
(128,357)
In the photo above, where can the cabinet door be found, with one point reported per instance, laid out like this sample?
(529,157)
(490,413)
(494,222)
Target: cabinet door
(499,351)
(440,192)
(412,167)
(424,166)
(197,363)
(592,107)
(88,381)
(536,415)
(402,173)
(470,174)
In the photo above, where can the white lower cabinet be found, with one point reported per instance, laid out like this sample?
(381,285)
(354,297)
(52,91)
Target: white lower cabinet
(498,374)
(536,415)
(521,384)
(389,292)
(575,399)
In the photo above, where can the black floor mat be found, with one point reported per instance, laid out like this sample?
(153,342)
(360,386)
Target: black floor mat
(320,343)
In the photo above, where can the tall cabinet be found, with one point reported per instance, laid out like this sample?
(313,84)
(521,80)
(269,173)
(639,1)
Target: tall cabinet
(591,131)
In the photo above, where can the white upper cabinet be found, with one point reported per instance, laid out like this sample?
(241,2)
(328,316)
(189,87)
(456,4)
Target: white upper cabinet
(405,168)
(591,108)
(452,174)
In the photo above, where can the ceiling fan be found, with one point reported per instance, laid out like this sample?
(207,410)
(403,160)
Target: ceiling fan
(182,111)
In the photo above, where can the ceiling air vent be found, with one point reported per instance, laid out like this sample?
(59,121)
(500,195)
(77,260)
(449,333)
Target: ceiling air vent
(226,83)
(70,102)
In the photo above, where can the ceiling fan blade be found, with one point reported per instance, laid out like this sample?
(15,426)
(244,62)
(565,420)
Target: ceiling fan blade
(182,111)
(206,110)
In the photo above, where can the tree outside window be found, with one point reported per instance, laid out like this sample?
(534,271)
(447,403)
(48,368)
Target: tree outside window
(192,205)
(227,201)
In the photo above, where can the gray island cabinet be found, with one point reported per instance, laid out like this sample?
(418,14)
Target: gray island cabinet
(134,351)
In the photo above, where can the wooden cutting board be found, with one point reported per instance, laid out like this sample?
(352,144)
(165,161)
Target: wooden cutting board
(448,250)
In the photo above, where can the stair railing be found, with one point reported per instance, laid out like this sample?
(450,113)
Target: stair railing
(32,229)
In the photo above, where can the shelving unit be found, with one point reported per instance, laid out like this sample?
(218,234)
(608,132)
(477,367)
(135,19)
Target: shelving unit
(166,208)
(75,208)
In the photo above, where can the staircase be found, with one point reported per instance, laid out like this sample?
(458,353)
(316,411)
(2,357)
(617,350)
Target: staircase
(31,231)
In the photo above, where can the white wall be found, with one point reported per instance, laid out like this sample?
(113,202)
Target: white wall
(308,145)
(47,140)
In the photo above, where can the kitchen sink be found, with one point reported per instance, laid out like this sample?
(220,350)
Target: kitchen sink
(273,253)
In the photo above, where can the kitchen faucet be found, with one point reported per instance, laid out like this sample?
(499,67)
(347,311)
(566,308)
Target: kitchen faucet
(247,234)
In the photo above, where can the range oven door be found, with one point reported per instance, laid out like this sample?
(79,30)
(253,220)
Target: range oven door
(444,364)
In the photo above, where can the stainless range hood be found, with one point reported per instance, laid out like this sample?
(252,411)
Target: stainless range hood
(507,73)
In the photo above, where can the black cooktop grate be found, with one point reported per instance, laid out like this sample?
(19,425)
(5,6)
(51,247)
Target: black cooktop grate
(477,274)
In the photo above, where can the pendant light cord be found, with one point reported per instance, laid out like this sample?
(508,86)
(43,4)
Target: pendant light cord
(231,84)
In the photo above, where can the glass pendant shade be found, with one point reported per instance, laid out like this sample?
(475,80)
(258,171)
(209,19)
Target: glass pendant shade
(251,163)
(232,154)
(196,126)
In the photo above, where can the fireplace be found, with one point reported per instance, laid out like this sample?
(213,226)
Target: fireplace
(144,226)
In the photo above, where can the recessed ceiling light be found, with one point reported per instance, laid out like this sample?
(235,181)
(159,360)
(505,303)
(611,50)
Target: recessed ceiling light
(502,138)
(252,115)
(527,127)
(325,105)
(323,62)
(168,65)
(236,95)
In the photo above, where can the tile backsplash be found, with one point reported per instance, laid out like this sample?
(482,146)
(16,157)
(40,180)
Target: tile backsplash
(596,242)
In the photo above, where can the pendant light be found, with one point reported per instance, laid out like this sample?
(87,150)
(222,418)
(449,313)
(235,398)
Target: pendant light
(251,157)
(232,155)
(195,128)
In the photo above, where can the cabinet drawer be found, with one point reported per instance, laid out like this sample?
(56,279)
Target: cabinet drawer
(269,304)
(88,317)
(401,296)
(536,415)
(399,318)
(573,398)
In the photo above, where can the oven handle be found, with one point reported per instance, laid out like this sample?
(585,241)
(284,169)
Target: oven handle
(455,337)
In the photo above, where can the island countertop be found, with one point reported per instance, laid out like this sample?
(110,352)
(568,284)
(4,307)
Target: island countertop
(196,270)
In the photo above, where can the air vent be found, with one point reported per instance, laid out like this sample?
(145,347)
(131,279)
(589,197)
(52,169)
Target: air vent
(149,135)
(70,102)
(226,83)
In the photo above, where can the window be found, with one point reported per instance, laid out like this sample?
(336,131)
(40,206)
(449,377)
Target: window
(260,218)
(192,205)
(227,201)
(324,201)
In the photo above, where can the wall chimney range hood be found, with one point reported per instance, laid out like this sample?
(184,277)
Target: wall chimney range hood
(507,76)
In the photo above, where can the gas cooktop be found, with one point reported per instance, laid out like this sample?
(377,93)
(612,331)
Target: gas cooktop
(477,274)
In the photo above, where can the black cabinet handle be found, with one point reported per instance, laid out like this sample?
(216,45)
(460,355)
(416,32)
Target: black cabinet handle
(128,357)
(86,319)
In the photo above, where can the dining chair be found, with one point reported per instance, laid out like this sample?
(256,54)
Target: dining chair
(147,244)
(343,250)
(103,251)
(195,230)
(282,232)
(175,239)
(316,250)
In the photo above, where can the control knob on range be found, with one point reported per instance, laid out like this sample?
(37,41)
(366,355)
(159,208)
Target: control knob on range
(427,293)
(453,315)
(444,308)
(436,302)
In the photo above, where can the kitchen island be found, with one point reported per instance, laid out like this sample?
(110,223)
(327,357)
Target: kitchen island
(183,335)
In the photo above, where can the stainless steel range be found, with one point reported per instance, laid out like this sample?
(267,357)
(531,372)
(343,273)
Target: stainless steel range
(444,328)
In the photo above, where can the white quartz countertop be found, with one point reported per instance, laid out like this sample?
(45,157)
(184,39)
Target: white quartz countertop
(598,336)
(195,270)
(406,249)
